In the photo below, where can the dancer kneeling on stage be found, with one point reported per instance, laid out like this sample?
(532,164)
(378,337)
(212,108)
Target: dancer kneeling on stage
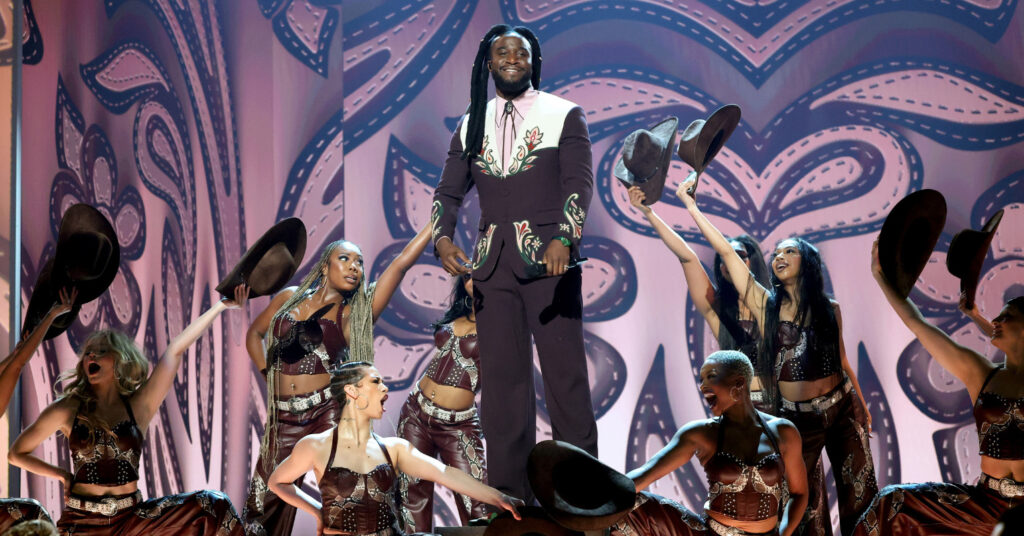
(757,484)
(104,412)
(440,416)
(357,470)
(998,395)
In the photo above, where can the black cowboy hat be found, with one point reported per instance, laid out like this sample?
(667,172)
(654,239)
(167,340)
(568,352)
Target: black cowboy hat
(535,522)
(576,489)
(702,139)
(269,263)
(646,155)
(967,253)
(87,258)
(908,237)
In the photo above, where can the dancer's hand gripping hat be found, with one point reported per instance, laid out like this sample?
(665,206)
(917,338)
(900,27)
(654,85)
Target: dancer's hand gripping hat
(646,156)
(268,265)
(702,140)
(87,259)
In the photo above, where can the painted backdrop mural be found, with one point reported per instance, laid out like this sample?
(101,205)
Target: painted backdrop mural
(195,126)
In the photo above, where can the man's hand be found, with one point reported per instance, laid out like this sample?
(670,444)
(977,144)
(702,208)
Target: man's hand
(556,257)
(453,259)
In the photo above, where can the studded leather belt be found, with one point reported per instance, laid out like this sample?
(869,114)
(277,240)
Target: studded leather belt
(822,403)
(298,404)
(449,416)
(1007,487)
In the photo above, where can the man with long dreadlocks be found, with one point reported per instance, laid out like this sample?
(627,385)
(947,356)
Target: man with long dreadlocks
(528,153)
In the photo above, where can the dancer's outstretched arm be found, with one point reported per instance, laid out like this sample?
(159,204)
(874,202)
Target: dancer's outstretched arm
(967,365)
(702,292)
(10,367)
(418,465)
(147,400)
(689,440)
(753,294)
(392,276)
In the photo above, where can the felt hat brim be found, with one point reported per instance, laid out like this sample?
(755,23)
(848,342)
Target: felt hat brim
(270,262)
(908,237)
(576,489)
(702,139)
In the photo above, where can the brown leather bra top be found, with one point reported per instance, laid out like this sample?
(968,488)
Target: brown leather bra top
(106,459)
(358,503)
(801,357)
(1000,422)
(742,491)
(457,360)
(315,345)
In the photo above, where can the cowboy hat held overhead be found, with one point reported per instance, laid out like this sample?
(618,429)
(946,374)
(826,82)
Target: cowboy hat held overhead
(87,258)
(967,252)
(270,263)
(646,155)
(576,489)
(702,139)
(908,237)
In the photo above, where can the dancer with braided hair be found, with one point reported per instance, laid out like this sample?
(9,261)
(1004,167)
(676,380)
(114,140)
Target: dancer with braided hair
(312,330)
(528,153)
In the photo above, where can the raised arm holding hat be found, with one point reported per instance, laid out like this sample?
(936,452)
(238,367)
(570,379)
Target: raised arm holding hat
(997,392)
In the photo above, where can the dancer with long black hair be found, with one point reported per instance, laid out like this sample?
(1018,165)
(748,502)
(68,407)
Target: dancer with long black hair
(310,331)
(753,461)
(440,418)
(805,372)
(357,470)
(997,392)
(104,406)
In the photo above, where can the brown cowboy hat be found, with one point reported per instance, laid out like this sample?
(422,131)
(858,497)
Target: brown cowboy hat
(576,489)
(646,155)
(87,258)
(967,253)
(702,140)
(270,262)
(908,237)
(535,522)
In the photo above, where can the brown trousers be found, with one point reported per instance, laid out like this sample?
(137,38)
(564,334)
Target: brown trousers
(265,514)
(934,509)
(202,513)
(841,432)
(459,445)
(15,511)
(508,311)
(655,515)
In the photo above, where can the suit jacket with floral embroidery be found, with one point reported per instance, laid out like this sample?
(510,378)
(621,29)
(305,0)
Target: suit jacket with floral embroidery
(544,193)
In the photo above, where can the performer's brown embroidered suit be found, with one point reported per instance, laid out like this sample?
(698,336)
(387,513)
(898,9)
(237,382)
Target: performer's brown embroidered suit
(541,192)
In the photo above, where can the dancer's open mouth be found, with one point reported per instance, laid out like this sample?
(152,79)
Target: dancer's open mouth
(93,368)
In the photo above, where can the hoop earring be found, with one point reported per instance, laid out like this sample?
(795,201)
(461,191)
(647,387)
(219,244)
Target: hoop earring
(467,302)
(361,395)
(732,395)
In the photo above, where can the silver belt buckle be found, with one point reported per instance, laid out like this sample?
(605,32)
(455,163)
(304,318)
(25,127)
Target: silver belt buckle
(107,507)
(819,404)
(1009,488)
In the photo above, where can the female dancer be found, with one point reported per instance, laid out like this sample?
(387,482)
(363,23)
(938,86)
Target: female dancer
(756,479)
(356,475)
(720,305)
(104,412)
(312,329)
(440,417)
(14,511)
(807,367)
(998,395)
